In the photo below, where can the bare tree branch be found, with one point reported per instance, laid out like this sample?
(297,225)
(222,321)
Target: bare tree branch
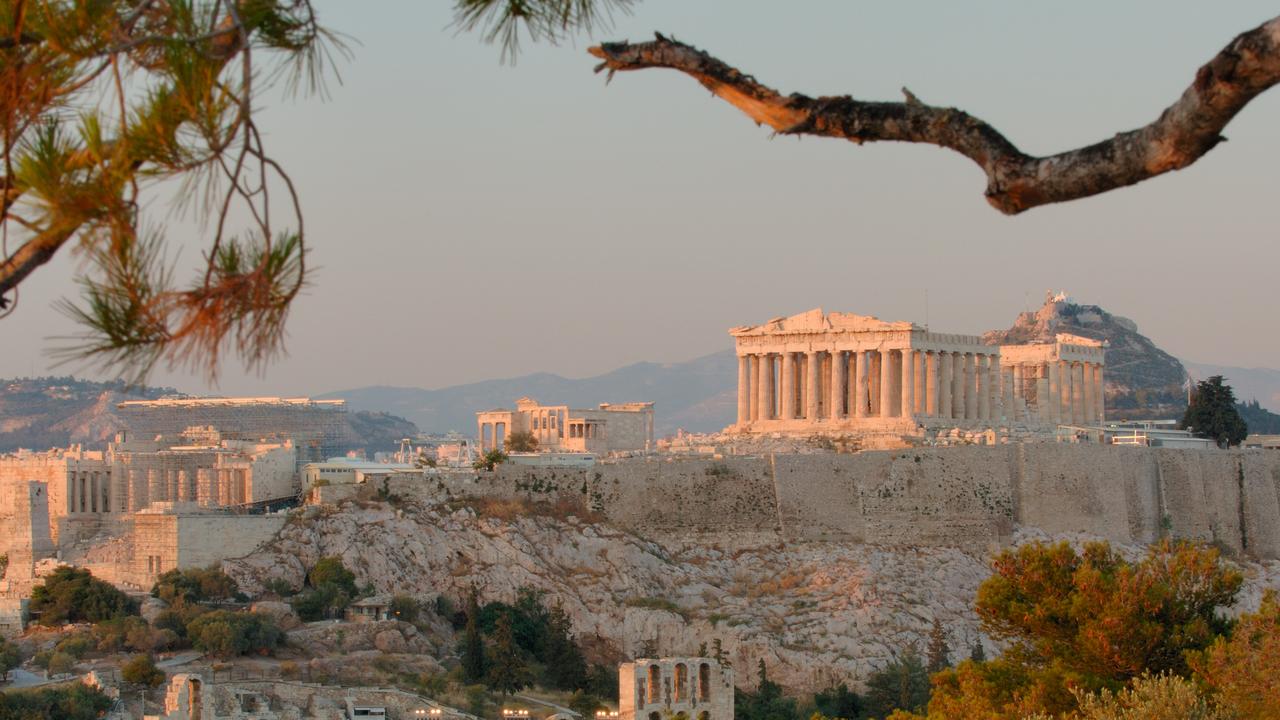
(1184,132)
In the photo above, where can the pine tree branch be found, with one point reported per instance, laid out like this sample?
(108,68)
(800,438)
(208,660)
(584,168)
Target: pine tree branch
(30,255)
(1184,132)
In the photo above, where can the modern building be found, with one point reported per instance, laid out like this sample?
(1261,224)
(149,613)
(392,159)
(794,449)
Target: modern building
(609,428)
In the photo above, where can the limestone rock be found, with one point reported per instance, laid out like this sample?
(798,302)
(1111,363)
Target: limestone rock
(281,612)
(390,641)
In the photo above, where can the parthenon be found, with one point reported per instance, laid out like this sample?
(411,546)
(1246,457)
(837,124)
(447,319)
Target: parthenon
(817,372)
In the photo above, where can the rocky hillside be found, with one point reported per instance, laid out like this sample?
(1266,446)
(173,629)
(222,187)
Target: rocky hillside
(45,412)
(1142,380)
(814,611)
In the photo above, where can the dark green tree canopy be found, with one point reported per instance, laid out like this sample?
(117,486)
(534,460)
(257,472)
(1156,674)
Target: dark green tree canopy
(1212,413)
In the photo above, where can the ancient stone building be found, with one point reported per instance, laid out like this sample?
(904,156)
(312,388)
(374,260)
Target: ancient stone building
(846,373)
(612,427)
(660,689)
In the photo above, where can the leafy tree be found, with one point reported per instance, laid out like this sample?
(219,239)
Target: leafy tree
(566,668)
(60,663)
(70,701)
(508,671)
(10,658)
(71,595)
(938,654)
(329,570)
(838,701)
(1158,697)
(766,703)
(522,441)
(1243,669)
(331,587)
(1212,413)
(1085,622)
(226,633)
(474,663)
(134,633)
(142,670)
(490,460)
(903,684)
(195,585)
(1102,618)
(406,608)
(585,704)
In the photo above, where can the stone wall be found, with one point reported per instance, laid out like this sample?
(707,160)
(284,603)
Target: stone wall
(969,497)
(165,541)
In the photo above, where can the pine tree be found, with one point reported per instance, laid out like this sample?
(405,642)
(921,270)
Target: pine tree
(474,665)
(978,653)
(939,653)
(508,672)
(566,668)
(1212,413)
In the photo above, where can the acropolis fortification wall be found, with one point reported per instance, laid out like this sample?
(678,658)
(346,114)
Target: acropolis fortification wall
(970,497)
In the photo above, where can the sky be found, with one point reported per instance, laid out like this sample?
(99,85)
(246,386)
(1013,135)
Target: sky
(473,220)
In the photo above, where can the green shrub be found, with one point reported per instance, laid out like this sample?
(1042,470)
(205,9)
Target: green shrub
(72,701)
(195,585)
(75,595)
(142,670)
(224,633)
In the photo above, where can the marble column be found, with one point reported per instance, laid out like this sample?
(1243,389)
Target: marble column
(812,372)
(1018,397)
(1077,394)
(839,375)
(788,386)
(908,383)
(758,386)
(1054,399)
(1099,394)
(968,398)
(1064,403)
(873,383)
(886,383)
(859,383)
(918,369)
(768,399)
(931,383)
(1086,382)
(945,382)
(744,393)
(982,384)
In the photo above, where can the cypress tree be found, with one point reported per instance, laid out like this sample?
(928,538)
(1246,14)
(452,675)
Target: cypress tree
(508,673)
(474,665)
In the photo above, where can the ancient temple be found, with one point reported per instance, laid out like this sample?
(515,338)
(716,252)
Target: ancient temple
(840,372)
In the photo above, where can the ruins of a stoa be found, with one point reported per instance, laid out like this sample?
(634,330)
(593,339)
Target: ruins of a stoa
(819,373)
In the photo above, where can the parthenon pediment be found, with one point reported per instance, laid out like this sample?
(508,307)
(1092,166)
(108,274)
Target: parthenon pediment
(816,321)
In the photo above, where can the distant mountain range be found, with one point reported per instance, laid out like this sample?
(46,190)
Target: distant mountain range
(698,395)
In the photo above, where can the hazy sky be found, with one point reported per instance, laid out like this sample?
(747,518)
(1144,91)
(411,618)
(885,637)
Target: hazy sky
(473,220)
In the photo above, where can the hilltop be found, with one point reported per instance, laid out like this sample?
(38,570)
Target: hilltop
(1142,380)
(45,412)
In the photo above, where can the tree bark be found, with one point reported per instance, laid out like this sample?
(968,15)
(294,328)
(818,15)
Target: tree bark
(1016,181)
